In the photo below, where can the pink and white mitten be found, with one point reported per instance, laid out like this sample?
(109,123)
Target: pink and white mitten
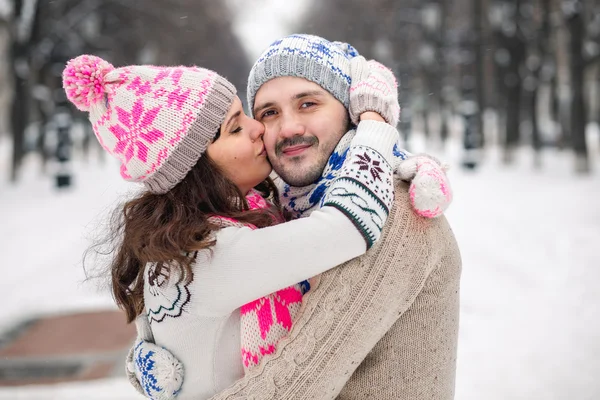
(430,191)
(373,88)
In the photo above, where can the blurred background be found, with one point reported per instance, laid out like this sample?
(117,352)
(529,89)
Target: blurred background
(507,92)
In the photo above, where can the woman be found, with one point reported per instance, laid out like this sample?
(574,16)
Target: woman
(189,256)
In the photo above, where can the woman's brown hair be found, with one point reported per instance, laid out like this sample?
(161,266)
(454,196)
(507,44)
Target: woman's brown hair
(166,228)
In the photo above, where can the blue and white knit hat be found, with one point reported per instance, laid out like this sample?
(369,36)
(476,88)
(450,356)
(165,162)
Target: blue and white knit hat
(306,56)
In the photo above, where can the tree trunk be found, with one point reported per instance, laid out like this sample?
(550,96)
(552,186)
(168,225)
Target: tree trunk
(513,97)
(442,71)
(549,67)
(559,118)
(479,68)
(501,95)
(426,104)
(513,121)
(19,109)
(405,84)
(578,112)
(536,140)
(513,81)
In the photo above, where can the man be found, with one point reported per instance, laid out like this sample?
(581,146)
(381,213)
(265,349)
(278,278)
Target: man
(384,325)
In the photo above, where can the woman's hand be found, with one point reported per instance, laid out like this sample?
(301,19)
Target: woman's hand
(430,191)
(373,88)
(152,370)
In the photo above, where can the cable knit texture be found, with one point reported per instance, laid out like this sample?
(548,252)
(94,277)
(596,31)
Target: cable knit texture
(392,313)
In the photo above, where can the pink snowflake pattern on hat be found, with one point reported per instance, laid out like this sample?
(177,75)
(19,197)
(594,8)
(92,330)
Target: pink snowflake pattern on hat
(135,128)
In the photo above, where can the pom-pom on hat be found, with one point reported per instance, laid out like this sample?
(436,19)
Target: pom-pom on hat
(157,121)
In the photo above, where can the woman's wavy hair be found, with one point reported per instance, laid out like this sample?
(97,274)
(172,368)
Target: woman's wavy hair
(166,228)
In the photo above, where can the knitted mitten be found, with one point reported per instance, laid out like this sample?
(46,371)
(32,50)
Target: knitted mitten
(373,88)
(158,374)
(152,370)
(430,192)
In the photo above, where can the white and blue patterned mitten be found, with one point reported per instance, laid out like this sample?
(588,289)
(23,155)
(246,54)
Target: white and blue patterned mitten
(152,370)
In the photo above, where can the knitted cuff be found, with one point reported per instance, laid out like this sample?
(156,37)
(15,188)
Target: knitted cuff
(379,136)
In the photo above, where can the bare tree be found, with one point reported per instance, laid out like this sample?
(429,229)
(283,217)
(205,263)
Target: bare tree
(46,34)
(534,22)
(21,26)
(393,32)
(436,44)
(573,13)
(510,56)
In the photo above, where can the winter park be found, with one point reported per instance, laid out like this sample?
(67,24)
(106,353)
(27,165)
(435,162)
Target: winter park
(285,200)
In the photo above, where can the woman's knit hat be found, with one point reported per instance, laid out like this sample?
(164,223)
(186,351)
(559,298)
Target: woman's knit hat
(157,121)
(306,56)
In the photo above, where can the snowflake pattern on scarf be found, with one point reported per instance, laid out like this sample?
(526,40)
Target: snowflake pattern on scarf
(267,320)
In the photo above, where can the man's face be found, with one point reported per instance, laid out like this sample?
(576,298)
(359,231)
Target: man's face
(303,124)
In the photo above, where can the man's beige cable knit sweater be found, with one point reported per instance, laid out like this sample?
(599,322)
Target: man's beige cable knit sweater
(382,326)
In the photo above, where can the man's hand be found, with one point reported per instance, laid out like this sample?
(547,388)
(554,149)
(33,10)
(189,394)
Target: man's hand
(373,88)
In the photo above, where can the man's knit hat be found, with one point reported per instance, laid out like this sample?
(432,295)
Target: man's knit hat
(157,121)
(306,56)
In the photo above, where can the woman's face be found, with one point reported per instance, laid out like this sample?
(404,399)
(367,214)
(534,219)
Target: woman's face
(239,149)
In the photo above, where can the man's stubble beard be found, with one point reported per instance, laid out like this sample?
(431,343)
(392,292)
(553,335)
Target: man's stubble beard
(293,177)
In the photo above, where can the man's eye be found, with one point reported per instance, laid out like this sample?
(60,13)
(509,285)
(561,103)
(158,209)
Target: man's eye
(307,104)
(267,113)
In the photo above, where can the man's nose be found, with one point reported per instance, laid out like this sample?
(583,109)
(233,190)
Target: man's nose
(291,126)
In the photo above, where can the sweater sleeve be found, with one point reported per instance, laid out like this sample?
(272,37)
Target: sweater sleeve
(349,311)
(247,264)
(364,190)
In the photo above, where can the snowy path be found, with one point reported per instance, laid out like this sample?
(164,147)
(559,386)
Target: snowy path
(530,319)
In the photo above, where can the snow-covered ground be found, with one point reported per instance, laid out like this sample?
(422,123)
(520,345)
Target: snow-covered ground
(105,389)
(530,304)
(44,233)
(530,319)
